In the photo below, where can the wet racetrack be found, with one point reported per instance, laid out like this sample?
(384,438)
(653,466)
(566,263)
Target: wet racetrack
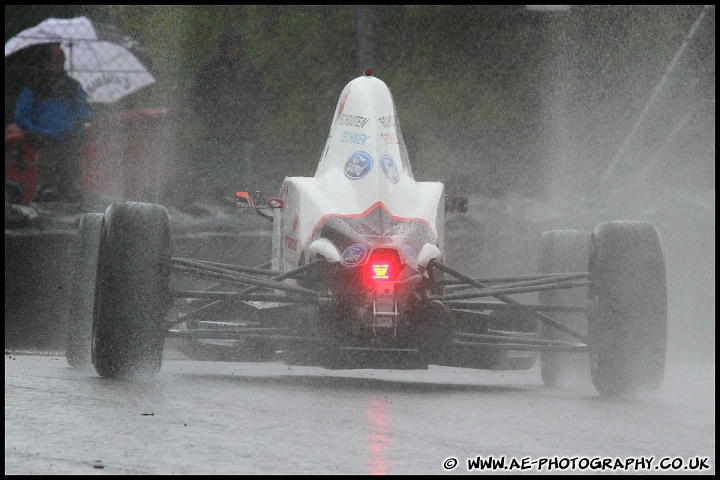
(267,418)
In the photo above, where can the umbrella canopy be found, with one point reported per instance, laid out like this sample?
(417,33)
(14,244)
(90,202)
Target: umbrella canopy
(107,62)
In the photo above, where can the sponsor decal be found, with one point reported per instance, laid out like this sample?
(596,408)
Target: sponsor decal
(291,243)
(354,137)
(391,138)
(389,168)
(409,256)
(343,99)
(352,120)
(389,122)
(358,165)
(353,255)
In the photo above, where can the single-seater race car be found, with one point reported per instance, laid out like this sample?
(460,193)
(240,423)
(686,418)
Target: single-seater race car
(357,279)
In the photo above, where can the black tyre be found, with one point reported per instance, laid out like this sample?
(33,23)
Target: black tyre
(563,251)
(78,337)
(628,318)
(132,291)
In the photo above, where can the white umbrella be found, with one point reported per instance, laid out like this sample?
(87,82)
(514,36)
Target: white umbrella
(106,61)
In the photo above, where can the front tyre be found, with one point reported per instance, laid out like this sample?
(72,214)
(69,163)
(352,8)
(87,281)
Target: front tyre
(132,291)
(627,328)
(78,336)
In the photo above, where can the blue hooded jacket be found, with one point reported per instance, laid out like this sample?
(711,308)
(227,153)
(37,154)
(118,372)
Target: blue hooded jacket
(64,110)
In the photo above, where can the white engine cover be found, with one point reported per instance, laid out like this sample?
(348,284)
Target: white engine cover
(363,193)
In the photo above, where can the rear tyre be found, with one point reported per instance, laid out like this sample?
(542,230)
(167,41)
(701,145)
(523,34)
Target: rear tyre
(132,291)
(78,336)
(564,251)
(628,321)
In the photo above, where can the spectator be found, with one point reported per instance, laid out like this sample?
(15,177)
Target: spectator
(229,96)
(52,109)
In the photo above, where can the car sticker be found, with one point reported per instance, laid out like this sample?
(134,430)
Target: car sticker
(358,165)
(389,168)
(353,255)
(409,256)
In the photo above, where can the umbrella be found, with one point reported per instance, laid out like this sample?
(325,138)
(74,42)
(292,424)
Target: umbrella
(107,62)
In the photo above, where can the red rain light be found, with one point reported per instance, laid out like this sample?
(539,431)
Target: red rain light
(383,266)
(381,271)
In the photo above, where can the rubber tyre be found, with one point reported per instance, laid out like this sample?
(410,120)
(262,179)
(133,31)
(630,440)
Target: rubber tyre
(78,337)
(628,320)
(564,251)
(132,291)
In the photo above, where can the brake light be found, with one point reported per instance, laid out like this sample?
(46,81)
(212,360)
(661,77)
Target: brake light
(380,271)
(383,266)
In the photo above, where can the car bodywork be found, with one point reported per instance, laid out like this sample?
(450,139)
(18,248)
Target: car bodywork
(357,279)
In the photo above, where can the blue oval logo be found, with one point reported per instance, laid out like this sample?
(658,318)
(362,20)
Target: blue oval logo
(358,165)
(389,168)
(409,256)
(353,255)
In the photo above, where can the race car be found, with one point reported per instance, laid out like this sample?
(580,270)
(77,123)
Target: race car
(358,279)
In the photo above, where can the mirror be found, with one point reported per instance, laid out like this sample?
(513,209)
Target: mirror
(256,199)
(456,204)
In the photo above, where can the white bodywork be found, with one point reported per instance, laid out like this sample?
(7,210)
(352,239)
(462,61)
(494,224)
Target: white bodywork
(364,167)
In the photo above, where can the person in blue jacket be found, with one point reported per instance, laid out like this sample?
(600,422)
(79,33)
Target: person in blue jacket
(52,110)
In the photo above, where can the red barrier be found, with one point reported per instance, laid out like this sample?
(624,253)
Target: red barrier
(19,161)
(125,156)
